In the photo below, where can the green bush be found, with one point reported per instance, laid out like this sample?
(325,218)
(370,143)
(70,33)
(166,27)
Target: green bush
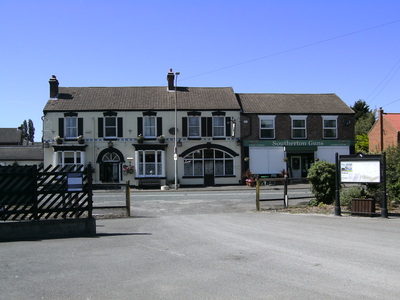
(313,202)
(349,193)
(393,172)
(323,184)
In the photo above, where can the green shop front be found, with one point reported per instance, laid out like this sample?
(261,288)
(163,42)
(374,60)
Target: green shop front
(274,157)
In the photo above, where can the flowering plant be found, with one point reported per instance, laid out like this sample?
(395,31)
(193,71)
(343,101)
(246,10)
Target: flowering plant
(129,169)
(58,139)
(248,175)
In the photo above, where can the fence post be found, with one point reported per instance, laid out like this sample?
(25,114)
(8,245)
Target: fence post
(128,198)
(258,195)
(384,210)
(35,192)
(338,211)
(285,192)
(90,190)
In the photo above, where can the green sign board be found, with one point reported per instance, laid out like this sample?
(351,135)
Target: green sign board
(297,143)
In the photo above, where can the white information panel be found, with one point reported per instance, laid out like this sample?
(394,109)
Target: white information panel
(75,182)
(366,171)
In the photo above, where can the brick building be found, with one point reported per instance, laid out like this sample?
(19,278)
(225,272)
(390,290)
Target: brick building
(291,131)
(385,132)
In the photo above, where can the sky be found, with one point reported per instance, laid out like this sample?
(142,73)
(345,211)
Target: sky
(347,47)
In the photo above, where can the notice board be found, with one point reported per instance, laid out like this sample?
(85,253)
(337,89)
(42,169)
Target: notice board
(360,171)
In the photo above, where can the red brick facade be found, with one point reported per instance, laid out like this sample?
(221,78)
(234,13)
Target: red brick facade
(390,133)
(283,128)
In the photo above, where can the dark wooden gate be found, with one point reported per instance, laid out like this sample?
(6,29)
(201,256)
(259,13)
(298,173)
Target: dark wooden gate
(33,193)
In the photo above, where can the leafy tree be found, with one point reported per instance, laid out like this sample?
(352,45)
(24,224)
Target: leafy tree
(28,131)
(360,108)
(31,131)
(24,129)
(322,178)
(362,143)
(365,119)
(364,123)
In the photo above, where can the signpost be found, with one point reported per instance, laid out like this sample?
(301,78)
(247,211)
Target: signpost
(360,168)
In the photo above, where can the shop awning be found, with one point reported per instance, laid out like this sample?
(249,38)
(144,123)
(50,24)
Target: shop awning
(300,149)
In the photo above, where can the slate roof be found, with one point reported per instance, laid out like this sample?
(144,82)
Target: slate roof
(142,98)
(10,136)
(21,153)
(293,104)
(394,120)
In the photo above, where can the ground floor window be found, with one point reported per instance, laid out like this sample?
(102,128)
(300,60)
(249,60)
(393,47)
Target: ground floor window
(70,158)
(194,162)
(150,163)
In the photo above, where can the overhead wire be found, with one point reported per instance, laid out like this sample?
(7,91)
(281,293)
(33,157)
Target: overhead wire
(384,81)
(290,50)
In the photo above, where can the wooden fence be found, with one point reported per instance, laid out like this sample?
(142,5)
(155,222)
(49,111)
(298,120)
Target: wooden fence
(114,187)
(285,196)
(34,193)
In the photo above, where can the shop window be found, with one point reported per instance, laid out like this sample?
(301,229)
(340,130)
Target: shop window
(330,127)
(194,162)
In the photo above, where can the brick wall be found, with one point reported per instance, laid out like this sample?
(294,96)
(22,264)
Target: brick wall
(390,136)
(283,128)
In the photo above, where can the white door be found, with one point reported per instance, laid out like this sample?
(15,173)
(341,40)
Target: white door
(295,165)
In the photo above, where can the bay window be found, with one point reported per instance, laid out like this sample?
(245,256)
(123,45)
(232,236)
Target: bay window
(150,163)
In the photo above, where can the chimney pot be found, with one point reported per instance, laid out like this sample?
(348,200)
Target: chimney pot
(53,86)
(170,79)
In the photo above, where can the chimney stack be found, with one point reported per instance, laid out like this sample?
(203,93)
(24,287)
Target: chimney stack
(53,86)
(170,79)
(381,129)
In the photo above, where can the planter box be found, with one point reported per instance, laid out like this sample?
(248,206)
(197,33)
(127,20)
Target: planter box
(362,207)
(251,183)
